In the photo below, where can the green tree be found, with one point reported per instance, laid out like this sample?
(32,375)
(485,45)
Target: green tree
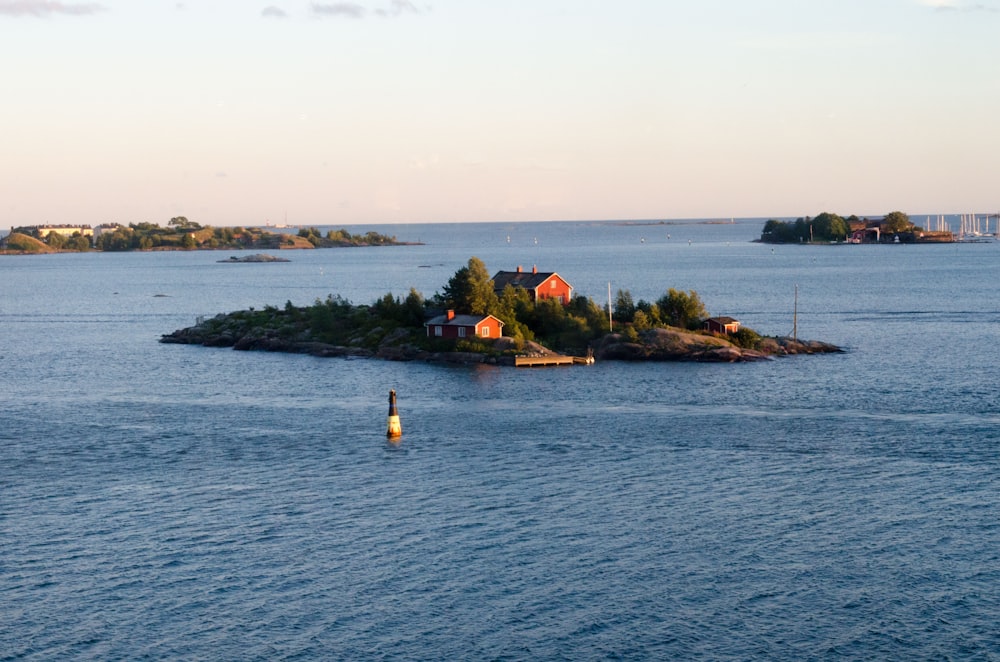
(183,224)
(652,312)
(624,309)
(684,310)
(55,240)
(78,242)
(310,234)
(514,308)
(828,227)
(470,290)
(595,316)
(896,221)
(413,308)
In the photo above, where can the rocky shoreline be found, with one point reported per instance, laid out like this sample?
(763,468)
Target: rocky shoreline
(662,344)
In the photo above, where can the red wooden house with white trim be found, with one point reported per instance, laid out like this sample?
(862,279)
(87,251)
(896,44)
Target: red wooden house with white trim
(539,284)
(455,326)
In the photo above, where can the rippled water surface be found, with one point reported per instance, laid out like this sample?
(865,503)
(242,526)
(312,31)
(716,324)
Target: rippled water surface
(171,502)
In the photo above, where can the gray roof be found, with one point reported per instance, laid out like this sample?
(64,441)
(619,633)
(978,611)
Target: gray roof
(526,279)
(458,320)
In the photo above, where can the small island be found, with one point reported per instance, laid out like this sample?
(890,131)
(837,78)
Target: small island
(504,319)
(826,228)
(179,234)
(257,257)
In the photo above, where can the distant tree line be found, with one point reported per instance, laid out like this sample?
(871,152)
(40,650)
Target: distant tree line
(182,233)
(828,227)
(342,237)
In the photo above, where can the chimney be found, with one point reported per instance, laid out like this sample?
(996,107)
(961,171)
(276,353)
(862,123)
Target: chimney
(519,269)
(534,269)
(450,315)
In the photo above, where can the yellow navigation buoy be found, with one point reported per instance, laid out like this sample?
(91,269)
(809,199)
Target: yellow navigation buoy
(393,429)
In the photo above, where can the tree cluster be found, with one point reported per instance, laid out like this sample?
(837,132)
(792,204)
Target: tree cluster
(827,227)
(342,237)
(675,308)
(181,233)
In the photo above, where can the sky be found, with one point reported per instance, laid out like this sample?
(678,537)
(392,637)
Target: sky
(247,112)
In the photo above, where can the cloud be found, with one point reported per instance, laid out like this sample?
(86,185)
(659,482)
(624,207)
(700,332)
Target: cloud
(339,10)
(354,10)
(396,8)
(273,12)
(956,5)
(47,8)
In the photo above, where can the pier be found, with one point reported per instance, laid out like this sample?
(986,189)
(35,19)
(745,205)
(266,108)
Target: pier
(544,361)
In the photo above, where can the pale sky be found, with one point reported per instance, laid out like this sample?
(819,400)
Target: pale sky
(240,112)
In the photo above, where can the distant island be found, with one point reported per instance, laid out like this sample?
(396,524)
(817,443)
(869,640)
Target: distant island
(179,234)
(894,227)
(257,257)
(504,319)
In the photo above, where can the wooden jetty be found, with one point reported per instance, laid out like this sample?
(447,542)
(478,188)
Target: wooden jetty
(543,361)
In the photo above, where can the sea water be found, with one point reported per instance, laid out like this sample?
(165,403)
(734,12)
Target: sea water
(176,502)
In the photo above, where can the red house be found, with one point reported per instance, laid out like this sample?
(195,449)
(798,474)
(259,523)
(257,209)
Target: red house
(451,325)
(724,325)
(540,285)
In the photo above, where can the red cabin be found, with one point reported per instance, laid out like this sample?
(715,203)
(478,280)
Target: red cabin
(540,285)
(723,325)
(455,326)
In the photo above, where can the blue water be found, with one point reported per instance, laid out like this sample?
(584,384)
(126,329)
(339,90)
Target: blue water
(174,502)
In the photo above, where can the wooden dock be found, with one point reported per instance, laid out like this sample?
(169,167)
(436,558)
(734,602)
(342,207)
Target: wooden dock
(543,361)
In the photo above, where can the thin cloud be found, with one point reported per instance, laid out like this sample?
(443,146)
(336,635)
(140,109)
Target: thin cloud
(340,10)
(957,5)
(398,7)
(354,10)
(48,8)
(273,12)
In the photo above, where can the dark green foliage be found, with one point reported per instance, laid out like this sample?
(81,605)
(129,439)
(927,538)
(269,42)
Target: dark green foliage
(514,307)
(624,306)
(896,221)
(186,234)
(652,312)
(55,240)
(680,309)
(829,227)
(746,338)
(470,290)
(342,237)
(311,235)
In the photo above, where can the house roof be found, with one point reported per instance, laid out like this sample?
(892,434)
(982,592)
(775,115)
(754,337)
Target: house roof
(460,320)
(529,280)
(723,320)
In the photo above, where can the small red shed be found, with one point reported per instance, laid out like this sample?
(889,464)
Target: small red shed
(723,325)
